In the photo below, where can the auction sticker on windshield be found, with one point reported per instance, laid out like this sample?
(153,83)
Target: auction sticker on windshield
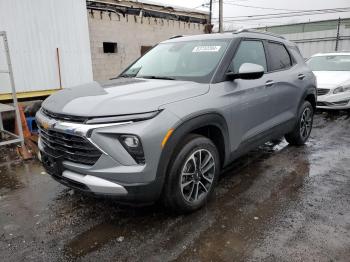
(209,48)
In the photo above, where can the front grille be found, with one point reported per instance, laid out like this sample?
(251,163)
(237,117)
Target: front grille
(70,147)
(68,118)
(322,91)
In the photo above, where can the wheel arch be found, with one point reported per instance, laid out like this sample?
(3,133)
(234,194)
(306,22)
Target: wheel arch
(199,124)
(310,95)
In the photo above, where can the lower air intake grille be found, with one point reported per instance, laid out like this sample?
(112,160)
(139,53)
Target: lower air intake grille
(70,147)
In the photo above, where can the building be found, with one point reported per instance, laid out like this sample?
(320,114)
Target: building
(59,44)
(49,45)
(316,37)
(121,31)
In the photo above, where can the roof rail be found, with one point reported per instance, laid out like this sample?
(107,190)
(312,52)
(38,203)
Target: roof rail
(258,32)
(176,36)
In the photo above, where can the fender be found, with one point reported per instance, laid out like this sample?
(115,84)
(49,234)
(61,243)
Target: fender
(311,90)
(184,128)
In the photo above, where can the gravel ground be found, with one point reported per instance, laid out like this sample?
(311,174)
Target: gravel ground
(278,203)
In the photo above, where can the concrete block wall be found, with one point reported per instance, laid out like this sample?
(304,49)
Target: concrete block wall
(130,33)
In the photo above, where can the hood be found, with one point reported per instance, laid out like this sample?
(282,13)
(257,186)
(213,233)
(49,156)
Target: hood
(332,79)
(121,96)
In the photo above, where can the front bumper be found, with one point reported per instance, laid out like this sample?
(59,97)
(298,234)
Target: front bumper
(115,172)
(334,101)
(95,184)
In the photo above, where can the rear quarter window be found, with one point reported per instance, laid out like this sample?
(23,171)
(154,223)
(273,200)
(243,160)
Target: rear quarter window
(279,56)
(296,54)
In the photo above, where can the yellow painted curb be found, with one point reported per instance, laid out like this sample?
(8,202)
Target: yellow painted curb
(29,94)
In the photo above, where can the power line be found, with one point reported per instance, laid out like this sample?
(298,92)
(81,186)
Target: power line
(290,13)
(206,4)
(306,12)
(242,20)
(237,20)
(260,7)
(284,15)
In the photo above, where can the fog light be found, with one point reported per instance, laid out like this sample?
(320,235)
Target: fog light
(131,141)
(133,145)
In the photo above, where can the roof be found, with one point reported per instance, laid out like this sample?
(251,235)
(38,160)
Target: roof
(175,7)
(147,8)
(152,5)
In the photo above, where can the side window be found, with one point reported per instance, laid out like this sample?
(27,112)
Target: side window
(249,51)
(279,57)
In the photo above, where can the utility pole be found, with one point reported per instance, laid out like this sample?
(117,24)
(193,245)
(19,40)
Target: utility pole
(210,11)
(221,29)
(338,35)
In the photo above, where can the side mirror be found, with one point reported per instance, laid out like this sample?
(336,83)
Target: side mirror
(247,71)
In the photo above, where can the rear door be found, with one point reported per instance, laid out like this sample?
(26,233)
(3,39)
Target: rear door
(285,80)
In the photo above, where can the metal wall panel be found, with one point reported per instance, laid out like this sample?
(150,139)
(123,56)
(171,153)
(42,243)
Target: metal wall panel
(316,37)
(35,29)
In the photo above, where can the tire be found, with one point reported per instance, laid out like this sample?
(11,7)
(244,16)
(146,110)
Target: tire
(180,194)
(302,129)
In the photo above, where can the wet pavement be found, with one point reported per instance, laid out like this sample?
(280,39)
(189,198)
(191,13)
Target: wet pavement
(278,203)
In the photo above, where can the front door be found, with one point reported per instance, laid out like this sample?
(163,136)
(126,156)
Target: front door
(251,100)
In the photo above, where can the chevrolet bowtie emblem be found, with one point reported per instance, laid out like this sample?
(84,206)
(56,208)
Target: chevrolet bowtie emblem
(45,124)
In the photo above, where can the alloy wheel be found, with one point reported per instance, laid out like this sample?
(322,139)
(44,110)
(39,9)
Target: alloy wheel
(197,176)
(306,123)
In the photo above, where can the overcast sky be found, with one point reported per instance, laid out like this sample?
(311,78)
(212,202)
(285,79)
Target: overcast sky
(232,11)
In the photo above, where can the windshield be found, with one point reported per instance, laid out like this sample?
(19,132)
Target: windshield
(330,63)
(190,60)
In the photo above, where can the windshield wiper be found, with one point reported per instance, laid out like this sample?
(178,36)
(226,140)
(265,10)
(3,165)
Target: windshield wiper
(157,77)
(122,76)
(127,76)
(135,71)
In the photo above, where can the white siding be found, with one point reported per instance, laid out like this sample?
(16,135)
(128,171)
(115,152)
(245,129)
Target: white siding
(34,30)
(321,39)
(308,48)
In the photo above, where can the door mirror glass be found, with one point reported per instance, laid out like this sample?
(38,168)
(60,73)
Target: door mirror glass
(247,71)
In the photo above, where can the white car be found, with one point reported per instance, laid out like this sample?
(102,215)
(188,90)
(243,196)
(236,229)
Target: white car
(332,71)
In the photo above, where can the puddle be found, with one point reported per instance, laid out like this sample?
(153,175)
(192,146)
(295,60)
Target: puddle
(276,200)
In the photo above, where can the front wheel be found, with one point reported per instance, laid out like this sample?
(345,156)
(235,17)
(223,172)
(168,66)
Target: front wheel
(193,174)
(302,130)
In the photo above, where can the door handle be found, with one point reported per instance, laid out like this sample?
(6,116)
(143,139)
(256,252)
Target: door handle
(301,76)
(269,83)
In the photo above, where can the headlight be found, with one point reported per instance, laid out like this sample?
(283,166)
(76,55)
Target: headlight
(123,118)
(341,89)
(133,145)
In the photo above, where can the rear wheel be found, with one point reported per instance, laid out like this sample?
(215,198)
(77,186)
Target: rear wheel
(193,174)
(302,130)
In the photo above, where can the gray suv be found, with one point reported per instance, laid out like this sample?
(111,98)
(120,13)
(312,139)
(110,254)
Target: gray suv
(166,126)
